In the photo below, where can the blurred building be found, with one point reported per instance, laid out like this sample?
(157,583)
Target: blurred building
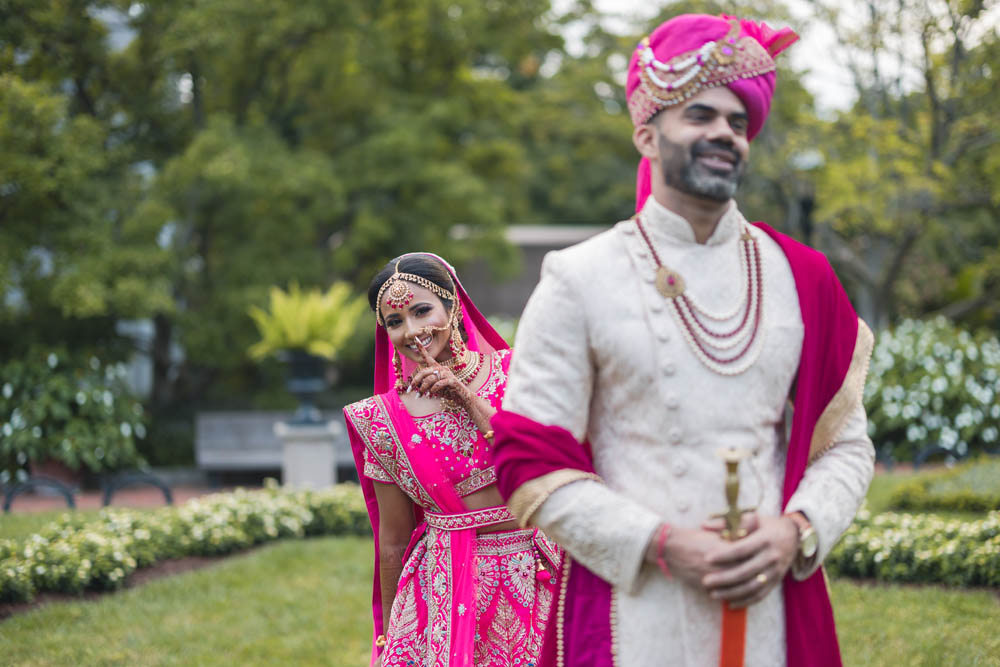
(507,297)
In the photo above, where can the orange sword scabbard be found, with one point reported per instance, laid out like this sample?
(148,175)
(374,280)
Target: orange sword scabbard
(734,621)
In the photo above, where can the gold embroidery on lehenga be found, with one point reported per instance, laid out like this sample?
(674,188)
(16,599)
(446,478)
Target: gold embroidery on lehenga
(374,471)
(422,583)
(497,377)
(487,516)
(479,479)
(536,633)
(454,429)
(520,577)
(507,630)
(371,420)
(487,581)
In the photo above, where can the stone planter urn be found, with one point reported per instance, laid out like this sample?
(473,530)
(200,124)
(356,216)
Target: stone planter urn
(306,381)
(308,457)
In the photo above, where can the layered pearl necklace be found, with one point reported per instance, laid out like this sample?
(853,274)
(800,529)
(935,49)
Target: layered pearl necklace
(729,351)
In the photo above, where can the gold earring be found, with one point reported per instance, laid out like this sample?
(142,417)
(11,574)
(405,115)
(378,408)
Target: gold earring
(397,365)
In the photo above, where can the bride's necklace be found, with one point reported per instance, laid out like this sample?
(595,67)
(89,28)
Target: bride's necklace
(727,352)
(464,368)
(467,367)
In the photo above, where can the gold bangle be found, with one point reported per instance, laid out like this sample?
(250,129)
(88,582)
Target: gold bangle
(488,435)
(381,641)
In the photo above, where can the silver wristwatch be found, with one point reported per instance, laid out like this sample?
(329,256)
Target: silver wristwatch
(808,540)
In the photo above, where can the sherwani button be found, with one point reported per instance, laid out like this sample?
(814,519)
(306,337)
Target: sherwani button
(670,368)
(649,278)
(683,505)
(663,337)
(656,307)
(673,402)
(680,468)
(674,434)
(629,230)
(642,255)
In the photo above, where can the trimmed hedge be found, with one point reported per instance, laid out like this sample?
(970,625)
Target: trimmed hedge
(973,487)
(75,553)
(920,548)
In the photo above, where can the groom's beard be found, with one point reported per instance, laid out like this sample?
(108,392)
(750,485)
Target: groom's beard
(682,170)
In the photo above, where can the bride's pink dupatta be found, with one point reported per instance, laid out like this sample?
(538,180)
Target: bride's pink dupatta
(461,598)
(482,338)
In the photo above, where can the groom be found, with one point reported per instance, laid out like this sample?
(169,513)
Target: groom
(646,349)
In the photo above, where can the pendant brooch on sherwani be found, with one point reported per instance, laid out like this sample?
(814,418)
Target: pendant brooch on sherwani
(724,350)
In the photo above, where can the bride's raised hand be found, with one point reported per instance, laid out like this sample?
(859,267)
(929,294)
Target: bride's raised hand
(438,380)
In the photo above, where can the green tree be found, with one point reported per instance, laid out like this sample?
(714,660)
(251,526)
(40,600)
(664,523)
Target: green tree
(905,198)
(197,152)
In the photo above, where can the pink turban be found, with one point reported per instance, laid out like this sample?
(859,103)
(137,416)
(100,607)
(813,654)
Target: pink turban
(692,52)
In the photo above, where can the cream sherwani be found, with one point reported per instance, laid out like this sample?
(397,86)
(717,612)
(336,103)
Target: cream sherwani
(599,354)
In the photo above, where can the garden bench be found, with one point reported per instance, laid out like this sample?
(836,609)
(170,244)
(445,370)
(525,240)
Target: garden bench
(37,481)
(245,441)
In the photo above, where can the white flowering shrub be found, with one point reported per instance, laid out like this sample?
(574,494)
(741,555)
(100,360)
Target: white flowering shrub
(920,548)
(75,554)
(72,408)
(931,383)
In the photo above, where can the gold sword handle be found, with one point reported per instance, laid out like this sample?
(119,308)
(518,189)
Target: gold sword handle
(733,516)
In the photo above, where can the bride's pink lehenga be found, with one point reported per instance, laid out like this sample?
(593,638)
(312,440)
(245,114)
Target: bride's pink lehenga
(464,599)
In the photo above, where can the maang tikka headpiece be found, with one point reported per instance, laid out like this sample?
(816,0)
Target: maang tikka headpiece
(400,295)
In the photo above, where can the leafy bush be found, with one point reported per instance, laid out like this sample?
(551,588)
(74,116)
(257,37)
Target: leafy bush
(933,384)
(69,407)
(920,548)
(972,487)
(319,323)
(74,554)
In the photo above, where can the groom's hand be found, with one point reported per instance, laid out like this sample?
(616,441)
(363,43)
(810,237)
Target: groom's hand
(745,571)
(688,551)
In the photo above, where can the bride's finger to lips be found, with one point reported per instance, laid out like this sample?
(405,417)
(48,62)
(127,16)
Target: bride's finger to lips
(428,359)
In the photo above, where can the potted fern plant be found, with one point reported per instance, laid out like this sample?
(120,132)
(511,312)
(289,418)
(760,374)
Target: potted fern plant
(307,329)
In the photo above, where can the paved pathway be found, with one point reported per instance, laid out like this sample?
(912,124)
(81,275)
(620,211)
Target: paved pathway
(143,496)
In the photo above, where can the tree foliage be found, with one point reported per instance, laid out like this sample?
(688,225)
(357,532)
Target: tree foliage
(908,186)
(172,160)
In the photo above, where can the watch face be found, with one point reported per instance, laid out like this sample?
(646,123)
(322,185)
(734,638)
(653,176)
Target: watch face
(808,543)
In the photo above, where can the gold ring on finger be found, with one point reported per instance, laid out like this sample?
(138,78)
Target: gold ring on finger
(761,578)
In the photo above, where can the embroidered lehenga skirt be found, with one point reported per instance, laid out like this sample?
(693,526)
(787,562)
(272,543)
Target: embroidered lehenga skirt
(512,596)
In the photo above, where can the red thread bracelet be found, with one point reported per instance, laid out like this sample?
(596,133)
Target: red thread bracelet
(661,542)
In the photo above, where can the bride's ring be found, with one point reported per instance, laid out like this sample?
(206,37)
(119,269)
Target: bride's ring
(437,374)
(762,578)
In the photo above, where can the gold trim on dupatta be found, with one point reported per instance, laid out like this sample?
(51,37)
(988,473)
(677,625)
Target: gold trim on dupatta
(529,496)
(847,397)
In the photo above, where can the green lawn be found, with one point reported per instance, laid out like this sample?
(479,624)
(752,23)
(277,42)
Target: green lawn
(900,626)
(295,602)
(305,602)
(882,487)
